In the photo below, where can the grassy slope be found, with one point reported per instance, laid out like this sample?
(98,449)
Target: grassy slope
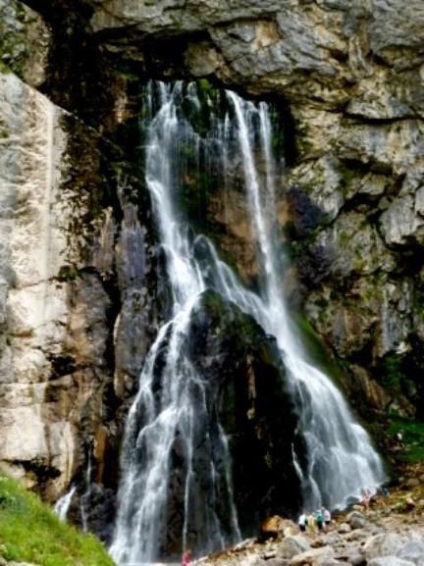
(31,532)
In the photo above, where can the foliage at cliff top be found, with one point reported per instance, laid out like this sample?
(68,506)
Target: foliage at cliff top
(31,532)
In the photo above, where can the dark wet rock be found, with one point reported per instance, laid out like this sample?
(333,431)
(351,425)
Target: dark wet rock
(243,368)
(94,511)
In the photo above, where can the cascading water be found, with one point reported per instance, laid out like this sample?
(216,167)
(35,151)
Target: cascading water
(62,505)
(341,459)
(170,416)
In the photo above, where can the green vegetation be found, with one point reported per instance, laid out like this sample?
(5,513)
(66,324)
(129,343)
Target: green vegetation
(14,50)
(68,273)
(395,372)
(318,354)
(31,532)
(412,432)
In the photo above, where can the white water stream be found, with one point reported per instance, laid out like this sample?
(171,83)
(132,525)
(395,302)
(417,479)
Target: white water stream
(62,505)
(340,457)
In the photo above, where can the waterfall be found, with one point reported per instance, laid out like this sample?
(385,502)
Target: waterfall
(169,416)
(86,496)
(62,505)
(341,459)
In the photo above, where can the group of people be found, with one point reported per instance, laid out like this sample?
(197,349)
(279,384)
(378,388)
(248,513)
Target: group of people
(318,520)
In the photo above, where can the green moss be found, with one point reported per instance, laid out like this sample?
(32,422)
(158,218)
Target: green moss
(315,349)
(31,532)
(393,373)
(68,273)
(347,176)
(14,48)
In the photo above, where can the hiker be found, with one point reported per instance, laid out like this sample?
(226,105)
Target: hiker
(319,519)
(186,558)
(327,517)
(384,491)
(311,524)
(302,522)
(366,497)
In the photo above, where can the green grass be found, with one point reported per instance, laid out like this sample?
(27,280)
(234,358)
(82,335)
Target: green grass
(413,438)
(31,532)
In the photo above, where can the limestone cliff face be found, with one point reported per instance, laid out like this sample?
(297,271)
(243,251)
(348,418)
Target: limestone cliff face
(54,320)
(79,300)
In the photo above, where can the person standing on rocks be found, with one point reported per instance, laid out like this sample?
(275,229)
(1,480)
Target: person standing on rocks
(302,522)
(327,517)
(366,498)
(186,558)
(311,523)
(319,519)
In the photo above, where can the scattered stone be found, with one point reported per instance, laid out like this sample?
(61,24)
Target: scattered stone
(357,534)
(292,545)
(389,561)
(387,544)
(413,551)
(276,527)
(269,554)
(278,562)
(333,538)
(318,543)
(409,503)
(245,544)
(356,520)
(313,557)
(412,483)
(344,528)
(356,559)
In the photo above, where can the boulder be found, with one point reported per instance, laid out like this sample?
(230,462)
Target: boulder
(356,520)
(413,551)
(292,545)
(387,544)
(314,557)
(344,528)
(389,561)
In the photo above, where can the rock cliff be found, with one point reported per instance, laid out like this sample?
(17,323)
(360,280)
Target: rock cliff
(79,298)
